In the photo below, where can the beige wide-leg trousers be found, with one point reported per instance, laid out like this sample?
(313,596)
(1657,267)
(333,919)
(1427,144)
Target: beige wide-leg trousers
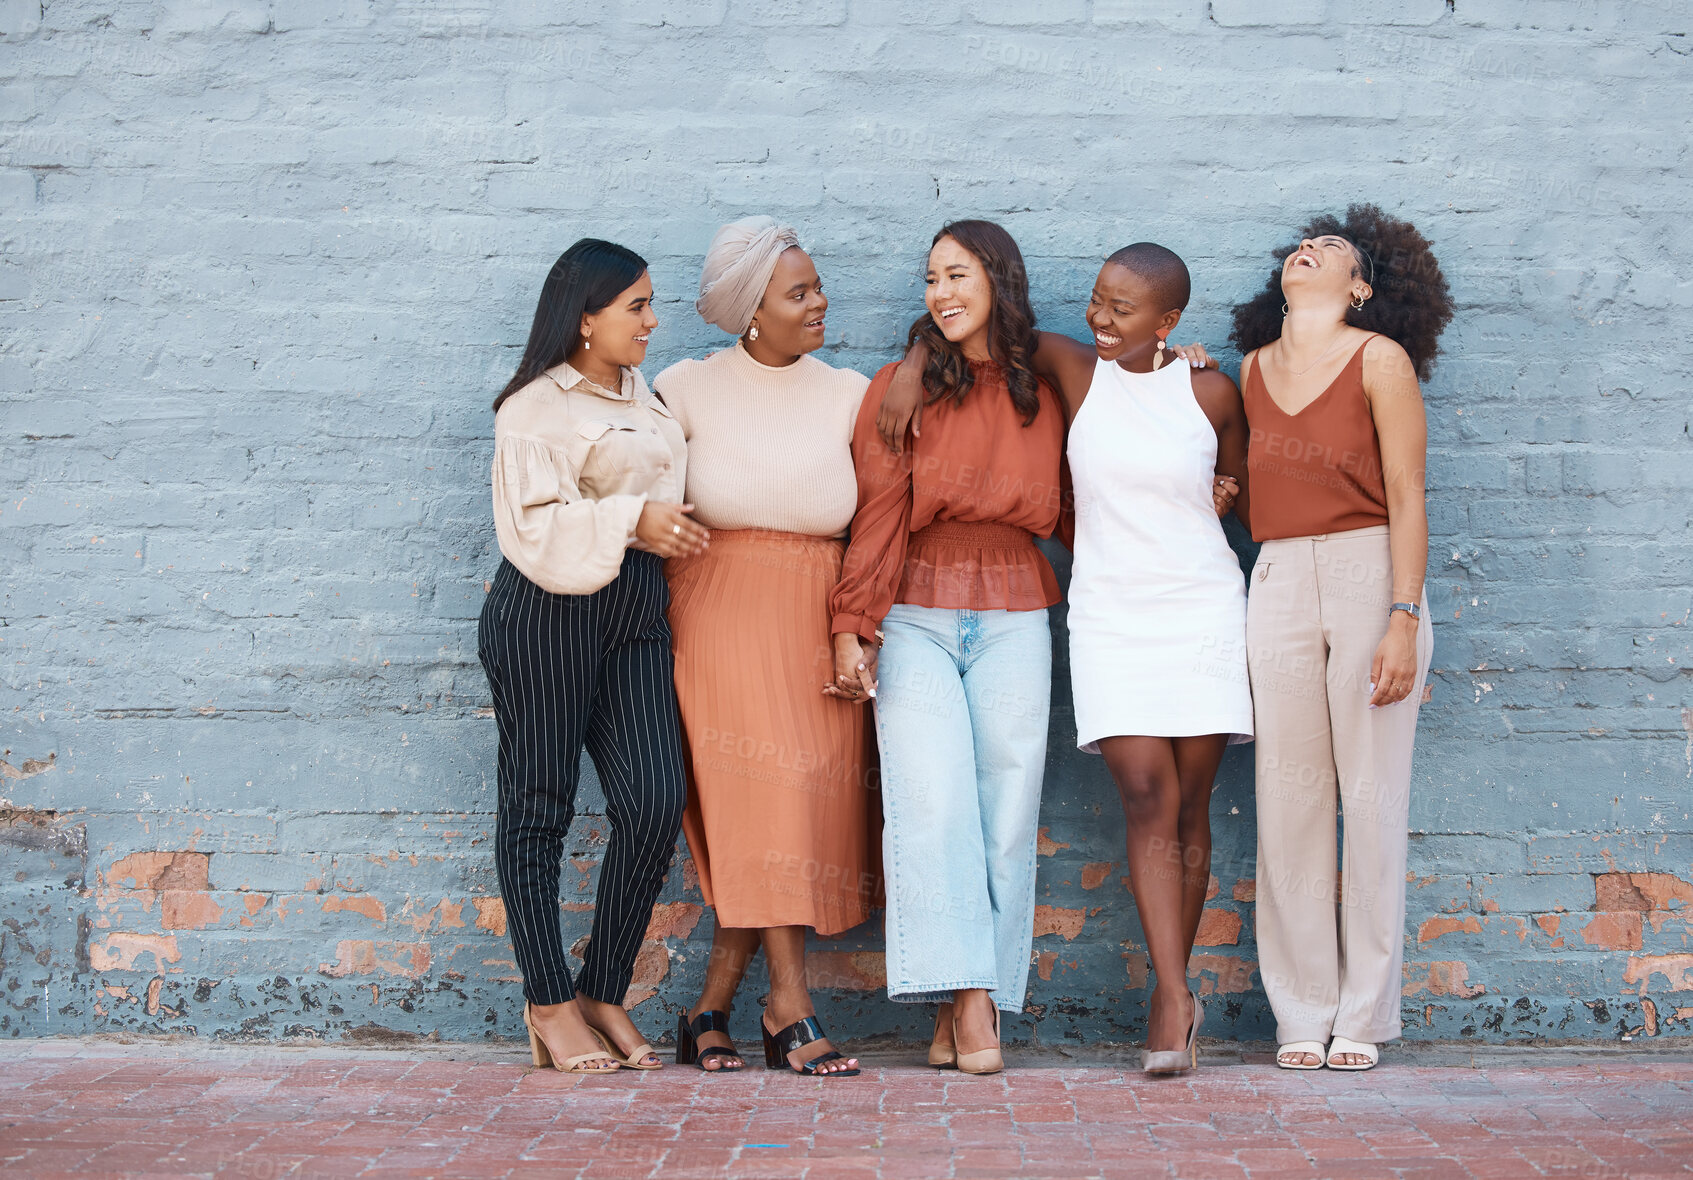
(1330,953)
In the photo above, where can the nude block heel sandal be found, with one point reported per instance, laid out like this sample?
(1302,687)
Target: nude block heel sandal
(543,1056)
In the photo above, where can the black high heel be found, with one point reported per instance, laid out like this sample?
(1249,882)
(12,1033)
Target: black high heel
(688,1051)
(777,1046)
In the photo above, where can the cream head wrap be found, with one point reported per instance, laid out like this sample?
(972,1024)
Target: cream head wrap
(738,267)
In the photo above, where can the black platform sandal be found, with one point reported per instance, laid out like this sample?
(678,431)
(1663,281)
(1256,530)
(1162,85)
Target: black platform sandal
(801,1032)
(688,1051)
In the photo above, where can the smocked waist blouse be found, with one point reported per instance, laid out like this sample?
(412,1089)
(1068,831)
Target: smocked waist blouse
(952,522)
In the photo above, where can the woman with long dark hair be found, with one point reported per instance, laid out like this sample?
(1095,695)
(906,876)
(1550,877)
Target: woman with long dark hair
(1337,628)
(942,561)
(588,475)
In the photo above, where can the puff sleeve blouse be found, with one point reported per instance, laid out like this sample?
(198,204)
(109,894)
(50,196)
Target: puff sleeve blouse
(574,464)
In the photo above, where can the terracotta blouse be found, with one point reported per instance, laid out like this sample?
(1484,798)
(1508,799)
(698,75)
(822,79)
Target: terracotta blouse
(1317,471)
(951,523)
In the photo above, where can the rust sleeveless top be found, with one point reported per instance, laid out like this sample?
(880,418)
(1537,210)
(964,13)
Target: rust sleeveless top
(1317,471)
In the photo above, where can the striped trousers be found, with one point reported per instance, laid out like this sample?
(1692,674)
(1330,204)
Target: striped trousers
(569,671)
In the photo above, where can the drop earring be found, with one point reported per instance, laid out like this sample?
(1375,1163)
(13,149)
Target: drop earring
(752,331)
(586,347)
(1159,357)
(1358,304)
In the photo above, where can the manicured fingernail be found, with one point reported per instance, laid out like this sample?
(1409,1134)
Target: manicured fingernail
(872,692)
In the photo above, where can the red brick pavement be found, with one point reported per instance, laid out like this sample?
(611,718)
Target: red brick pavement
(92,1108)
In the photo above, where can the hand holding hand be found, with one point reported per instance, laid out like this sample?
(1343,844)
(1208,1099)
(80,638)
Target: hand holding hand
(855,670)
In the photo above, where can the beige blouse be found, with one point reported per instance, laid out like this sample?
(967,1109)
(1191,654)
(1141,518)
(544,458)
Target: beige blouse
(573,465)
(768,448)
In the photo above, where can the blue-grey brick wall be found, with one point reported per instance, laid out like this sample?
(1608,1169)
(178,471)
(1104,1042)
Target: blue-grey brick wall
(264,264)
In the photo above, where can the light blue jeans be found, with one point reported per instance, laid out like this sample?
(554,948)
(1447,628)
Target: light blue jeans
(961,717)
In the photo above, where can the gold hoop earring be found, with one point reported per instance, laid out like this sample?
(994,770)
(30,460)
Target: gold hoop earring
(1358,306)
(752,331)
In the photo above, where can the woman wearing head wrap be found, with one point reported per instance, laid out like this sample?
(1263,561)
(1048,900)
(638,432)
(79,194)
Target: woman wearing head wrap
(780,820)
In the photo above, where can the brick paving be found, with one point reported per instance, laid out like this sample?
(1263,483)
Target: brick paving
(179,1108)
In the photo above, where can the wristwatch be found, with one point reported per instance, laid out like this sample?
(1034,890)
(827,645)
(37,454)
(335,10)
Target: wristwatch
(1409,608)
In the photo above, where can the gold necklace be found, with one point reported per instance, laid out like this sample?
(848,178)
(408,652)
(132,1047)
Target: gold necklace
(1318,361)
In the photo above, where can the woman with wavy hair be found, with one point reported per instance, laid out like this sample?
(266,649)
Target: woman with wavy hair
(942,562)
(1337,628)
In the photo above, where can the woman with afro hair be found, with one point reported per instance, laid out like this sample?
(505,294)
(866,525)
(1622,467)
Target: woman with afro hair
(1337,627)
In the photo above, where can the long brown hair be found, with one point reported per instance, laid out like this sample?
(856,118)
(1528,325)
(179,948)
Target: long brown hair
(585,279)
(1011,323)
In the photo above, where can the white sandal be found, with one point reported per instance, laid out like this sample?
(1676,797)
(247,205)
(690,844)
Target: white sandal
(1358,1048)
(1314,1048)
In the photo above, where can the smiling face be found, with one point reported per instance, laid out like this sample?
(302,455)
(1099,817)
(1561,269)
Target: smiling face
(790,319)
(1327,266)
(618,333)
(960,297)
(1125,315)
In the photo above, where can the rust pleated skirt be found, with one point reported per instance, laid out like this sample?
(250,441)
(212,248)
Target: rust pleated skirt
(783,820)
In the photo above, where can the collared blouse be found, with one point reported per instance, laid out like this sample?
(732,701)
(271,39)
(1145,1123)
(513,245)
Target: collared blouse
(574,463)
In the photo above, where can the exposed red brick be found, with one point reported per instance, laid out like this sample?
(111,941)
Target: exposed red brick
(153,990)
(846,970)
(1057,920)
(364,904)
(1433,928)
(361,956)
(1677,971)
(1212,887)
(120,951)
(490,915)
(1613,932)
(143,875)
(1093,875)
(180,909)
(1046,846)
(690,876)
(1043,964)
(1233,974)
(1218,928)
(1641,892)
(1246,889)
(1650,1011)
(674,919)
(1448,978)
(1138,967)
(1550,923)
(652,964)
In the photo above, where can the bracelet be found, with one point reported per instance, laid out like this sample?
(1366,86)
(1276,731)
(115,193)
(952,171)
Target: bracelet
(1409,608)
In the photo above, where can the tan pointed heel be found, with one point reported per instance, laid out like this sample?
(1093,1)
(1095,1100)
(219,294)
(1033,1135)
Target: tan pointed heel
(982,1061)
(1165,1061)
(941,1055)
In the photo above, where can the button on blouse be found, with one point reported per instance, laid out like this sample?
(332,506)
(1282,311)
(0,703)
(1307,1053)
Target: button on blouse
(574,463)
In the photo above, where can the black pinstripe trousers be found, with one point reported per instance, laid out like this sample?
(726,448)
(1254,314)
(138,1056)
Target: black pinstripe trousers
(566,671)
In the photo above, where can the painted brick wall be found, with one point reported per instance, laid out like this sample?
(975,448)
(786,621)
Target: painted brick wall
(265,263)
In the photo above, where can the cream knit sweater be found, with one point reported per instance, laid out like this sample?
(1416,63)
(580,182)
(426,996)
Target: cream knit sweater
(767,448)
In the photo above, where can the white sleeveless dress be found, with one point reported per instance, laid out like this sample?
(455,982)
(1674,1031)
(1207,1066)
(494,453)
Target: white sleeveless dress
(1157,598)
